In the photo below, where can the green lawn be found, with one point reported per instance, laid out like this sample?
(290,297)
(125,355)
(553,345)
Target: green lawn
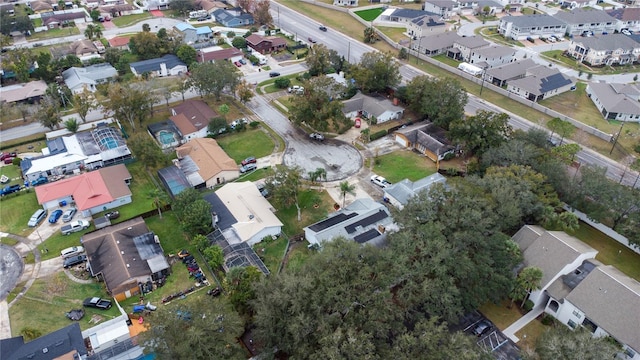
(400,165)
(272,252)
(13,173)
(309,213)
(141,186)
(15,211)
(610,252)
(57,242)
(500,314)
(251,142)
(54,33)
(168,230)
(447,60)
(298,255)
(127,20)
(395,33)
(370,14)
(256,175)
(43,307)
(8,241)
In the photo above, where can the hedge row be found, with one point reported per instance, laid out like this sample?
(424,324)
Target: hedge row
(378,134)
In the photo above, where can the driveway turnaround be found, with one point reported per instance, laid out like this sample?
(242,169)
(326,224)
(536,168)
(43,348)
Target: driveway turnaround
(10,269)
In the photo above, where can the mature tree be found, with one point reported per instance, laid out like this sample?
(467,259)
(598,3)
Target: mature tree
(47,112)
(481,132)
(377,71)
(319,60)
(282,82)
(567,152)
(239,42)
(318,174)
(214,256)
(158,196)
(527,281)
(196,219)
(201,242)
(217,126)
(346,188)
(370,35)
(285,186)
(246,5)
(72,125)
(561,342)
(214,78)
(315,107)
(167,93)
(88,32)
(97,32)
(47,68)
(146,150)
(25,110)
(20,62)
(23,23)
(146,27)
(146,45)
(245,91)
(194,328)
(187,54)
(440,100)
(261,12)
(83,103)
(561,127)
(239,284)
(512,152)
(183,86)
(128,103)
(183,7)
(95,15)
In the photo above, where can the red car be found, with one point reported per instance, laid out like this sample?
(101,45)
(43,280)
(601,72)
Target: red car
(237,64)
(8,160)
(249,160)
(358,123)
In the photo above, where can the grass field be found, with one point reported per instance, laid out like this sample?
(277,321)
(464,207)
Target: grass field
(370,14)
(529,334)
(298,255)
(309,213)
(54,33)
(272,252)
(43,307)
(168,230)
(8,241)
(251,142)
(127,20)
(13,173)
(395,33)
(15,211)
(400,165)
(57,242)
(500,314)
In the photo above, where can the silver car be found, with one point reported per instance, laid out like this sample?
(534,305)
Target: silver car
(69,214)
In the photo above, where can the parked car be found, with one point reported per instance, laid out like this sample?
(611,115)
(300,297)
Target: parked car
(247,168)
(39,181)
(98,303)
(249,160)
(69,214)
(112,215)
(10,189)
(296,89)
(183,253)
(72,251)
(274,74)
(8,160)
(7,155)
(482,328)
(237,63)
(73,261)
(530,39)
(242,61)
(74,226)
(380,181)
(37,216)
(55,216)
(316,136)
(322,28)
(237,122)
(311,40)
(553,39)
(358,123)
(625,31)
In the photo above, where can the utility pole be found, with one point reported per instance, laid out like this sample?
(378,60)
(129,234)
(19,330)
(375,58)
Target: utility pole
(615,140)
(349,52)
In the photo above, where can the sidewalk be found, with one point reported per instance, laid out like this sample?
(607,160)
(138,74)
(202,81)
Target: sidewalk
(512,329)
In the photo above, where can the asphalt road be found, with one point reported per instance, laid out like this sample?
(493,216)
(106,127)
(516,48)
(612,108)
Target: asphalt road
(10,269)
(305,27)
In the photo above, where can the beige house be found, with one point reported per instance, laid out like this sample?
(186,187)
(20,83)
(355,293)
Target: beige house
(205,163)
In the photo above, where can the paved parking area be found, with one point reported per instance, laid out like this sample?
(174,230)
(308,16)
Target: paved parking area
(494,341)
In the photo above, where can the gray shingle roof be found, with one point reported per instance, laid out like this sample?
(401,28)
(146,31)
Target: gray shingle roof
(373,105)
(511,70)
(625,14)
(607,42)
(493,52)
(581,16)
(541,84)
(439,41)
(93,74)
(154,64)
(446,4)
(526,21)
(410,13)
(611,300)
(406,189)
(57,344)
(614,99)
(472,42)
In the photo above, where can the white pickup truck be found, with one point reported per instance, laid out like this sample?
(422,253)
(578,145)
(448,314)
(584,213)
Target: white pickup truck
(74,226)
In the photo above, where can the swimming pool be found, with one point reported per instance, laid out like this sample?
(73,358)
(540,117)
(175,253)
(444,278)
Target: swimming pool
(109,143)
(166,137)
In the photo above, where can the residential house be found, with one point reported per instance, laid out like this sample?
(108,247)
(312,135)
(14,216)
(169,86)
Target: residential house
(158,4)
(464,46)
(573,4)
(242,214)
(602,300)
(491,6)
(119,42)
(372,106)
(124,256)
(444,8)
(102,146)
(363,221)
(426,138)
(92,192)
(618,102)
(353,3)
(265,45)
(492,56)
(168,65)
(30,92)
(467,7)
(233,18)
(112,338)
(540,82)
(79,79)
(188,32)
(614,49)
(204,33)
(40,7)
(501,75)
(554,252)
(436,44)
(65,343)
(58,19)
(404,16)
(534,26)
(580,21)
(206,5)
(426,25)
(230,54)
(628,18)
(117,10)
(205,164)
(85,50)
(192,117)
(401,192)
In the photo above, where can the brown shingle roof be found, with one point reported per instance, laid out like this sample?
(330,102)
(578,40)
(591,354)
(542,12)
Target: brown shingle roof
(183,124)
(114,178)
(208,156)
(197,111)
(223,54)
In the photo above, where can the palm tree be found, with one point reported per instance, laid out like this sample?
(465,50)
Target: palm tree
(89,32)
(529,280)
(71,125)
(159,199)
(345,188)
(97,32)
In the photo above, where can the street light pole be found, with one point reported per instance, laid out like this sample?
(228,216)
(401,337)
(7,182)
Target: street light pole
(482,84)
(615,141)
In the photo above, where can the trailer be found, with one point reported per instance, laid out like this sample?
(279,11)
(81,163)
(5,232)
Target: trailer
(470,69)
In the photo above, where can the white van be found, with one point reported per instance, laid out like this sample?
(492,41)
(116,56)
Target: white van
(71,252)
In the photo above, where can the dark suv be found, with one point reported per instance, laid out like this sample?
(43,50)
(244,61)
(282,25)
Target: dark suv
(73,261)
(10,189)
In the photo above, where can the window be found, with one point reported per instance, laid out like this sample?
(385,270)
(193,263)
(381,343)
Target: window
(577,314)
(572,324)
(629,352)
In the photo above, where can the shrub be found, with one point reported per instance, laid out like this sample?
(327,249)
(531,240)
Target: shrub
(547,320)
(637,148)
(528,306)
(282,83)
(254,124)
(378,134)
(449,156)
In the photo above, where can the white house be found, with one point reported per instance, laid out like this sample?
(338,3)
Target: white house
(444,8)
(363,221)
(619,102)
(491,56)
(79,79)
(168,65)
(345,2)
(580,21)
(401,192)
(534,26)
(372,106)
